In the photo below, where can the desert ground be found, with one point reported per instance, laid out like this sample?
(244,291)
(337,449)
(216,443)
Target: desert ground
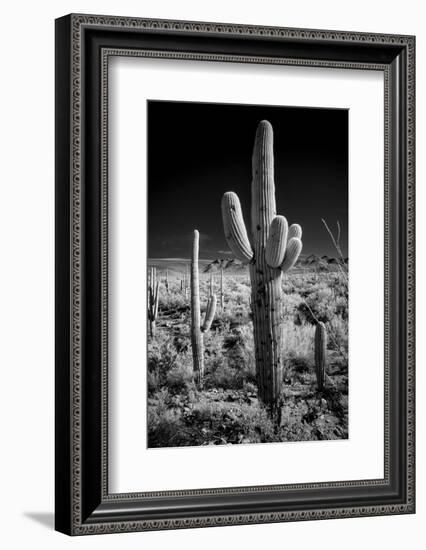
(227,410)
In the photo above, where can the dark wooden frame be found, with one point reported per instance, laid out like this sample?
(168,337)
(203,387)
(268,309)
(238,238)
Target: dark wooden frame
(83,46)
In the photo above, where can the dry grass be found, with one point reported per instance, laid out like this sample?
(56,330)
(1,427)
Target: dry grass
(227,410)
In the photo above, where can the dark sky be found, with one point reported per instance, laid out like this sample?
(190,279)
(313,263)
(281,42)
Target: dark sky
(198,151)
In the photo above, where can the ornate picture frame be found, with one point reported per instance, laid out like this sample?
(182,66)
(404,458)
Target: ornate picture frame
(84,45)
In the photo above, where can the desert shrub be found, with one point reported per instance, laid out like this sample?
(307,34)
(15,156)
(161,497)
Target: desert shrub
(213,358)
(220,375)
(250,388)
(256,424)
(300,364)
(241,355)
(341,307)
(159,402)
(291,303)
(320,306)
(173,301)
(213,344)
(230,362)
(153,381)
(162,351)
(225,422)
(180,376)
(221,323)
(298,350)
(240,293)
(321,303)
(162,358)
(182,343)
(165,425)
(165,430)
(334,402)
(338,331)
(288,287)
(232,317)
(206,410)
(298,340)
(237,302)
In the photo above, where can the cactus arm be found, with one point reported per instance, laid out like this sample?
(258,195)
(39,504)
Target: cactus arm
(210,313)
(277,242)
(295,231)
(234,227)
(293,250)
(320,353)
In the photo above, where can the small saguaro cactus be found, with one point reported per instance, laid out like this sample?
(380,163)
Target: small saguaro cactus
(166,280)
(320,354)
(222,296)
(183,282)
(198,329)
(153,297)
(186,280)
(273,250)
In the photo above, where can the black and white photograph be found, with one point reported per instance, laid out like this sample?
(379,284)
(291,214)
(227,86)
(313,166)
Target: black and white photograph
(209,275)
(248,274)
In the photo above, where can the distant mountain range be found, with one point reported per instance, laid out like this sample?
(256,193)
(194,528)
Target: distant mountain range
(224,263)
(312,262)
(319,262)
(305,262)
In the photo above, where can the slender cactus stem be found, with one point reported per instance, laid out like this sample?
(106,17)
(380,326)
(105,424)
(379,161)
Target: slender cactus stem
(320,354)
(198,329)
(221,289)
(336,242)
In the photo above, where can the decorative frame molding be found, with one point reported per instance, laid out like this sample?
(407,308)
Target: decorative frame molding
(84,44)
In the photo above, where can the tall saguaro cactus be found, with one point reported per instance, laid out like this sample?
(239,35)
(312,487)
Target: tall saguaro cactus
(274,249)
(198,329)
(320,353)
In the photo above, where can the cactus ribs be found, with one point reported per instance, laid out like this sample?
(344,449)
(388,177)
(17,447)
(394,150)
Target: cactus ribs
(274,249)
